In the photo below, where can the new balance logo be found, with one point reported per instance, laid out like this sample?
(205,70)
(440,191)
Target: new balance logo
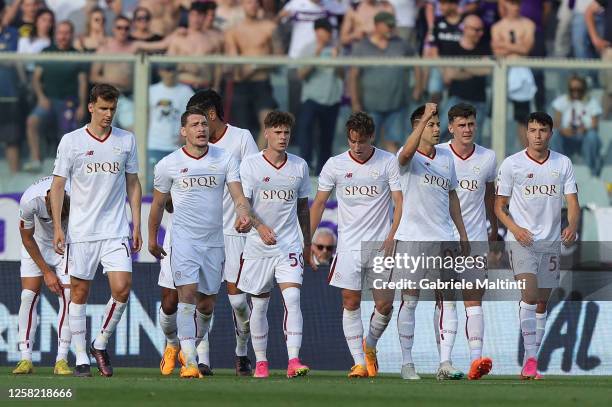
(266,179)
(90,152)
(348,175)
(530,175)
(184,170)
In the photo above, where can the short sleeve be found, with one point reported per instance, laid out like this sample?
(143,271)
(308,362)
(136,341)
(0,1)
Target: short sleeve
(505,179)
(131,166)
(27,212)
(453,175)
(492,167)
(247,185)
(162,180)
(304,191)
(569,183)
(559,104)
(232,173)
(327,179)
(64,159)
(393,173)
(291,7)
(248,146)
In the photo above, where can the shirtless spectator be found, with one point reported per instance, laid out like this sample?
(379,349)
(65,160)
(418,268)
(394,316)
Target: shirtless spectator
(513,35)
(359,22)
(164,15)
(199,39)
(251,97)
(141,27)
(79,16)
(229,13)
(95,33)
(118,74)
(603,43)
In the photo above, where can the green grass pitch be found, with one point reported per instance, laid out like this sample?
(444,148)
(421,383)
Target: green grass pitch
(132,386)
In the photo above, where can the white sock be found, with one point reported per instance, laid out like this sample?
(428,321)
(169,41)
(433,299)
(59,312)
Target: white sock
(28,321)
(527,318)
(540,329)
(241,314)
(474,330)
(259,327)
(168,327)
(78,329)
(405,326)
(353,333)
(378,324)
(186,330)
(293,321)
(448,329)
(112,315)
(203,326)
(63,326)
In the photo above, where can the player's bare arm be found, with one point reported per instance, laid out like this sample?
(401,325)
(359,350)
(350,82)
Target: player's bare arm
(454,207)
(304,219)
(51,279)
(56,195)
(317,208)
(412,142)
(522,235)
(242,207)
(490,209)
(155,217)
(134,193)
(267,235)
(568,235)
(389,243)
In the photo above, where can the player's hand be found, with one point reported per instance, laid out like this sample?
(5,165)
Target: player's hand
(430,110)
(156,250)
(388,246)
(59,241)
(523,236)
(243,224)
(53,282)
(267,235)
(466,250)
(307,254)
(493,235)
(568,236)
(136,240)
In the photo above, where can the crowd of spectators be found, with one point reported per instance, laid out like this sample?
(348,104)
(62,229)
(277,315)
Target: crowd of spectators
(41,101)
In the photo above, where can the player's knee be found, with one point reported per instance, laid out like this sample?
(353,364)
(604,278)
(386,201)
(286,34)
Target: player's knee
(351,304)
(291,296)
(169,306)
(121,291)
(384,308)
(541,306)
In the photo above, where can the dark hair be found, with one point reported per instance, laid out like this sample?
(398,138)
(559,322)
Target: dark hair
(89,19)
(323,23)
(541,118)
(276,118)
(68,23)
(103,91)
(2,5)
(417,114)
(361,123)
(203,6)
(582,80)
(122,17)
(191,110)
(34,33)
(141,9)
(207,99)
(463,110)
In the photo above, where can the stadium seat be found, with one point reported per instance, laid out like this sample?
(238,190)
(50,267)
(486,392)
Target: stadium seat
(593,191)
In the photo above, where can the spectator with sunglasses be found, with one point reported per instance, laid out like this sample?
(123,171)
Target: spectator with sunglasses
(141,26)
(577,114)
(323,246)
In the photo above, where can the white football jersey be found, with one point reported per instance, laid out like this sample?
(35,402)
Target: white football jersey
(473,173)
(33,213)
(240,143)
(96,170)
(196,186)
(363,192)
(274,192)
(536,191)
(426,183)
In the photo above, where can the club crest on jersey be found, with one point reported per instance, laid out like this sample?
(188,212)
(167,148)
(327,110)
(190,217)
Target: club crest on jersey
(89,152)
(476,169)
(375,174)
(348,175)
(117,150)
(266,179)
(292,179)
(555,173)
(212,167)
